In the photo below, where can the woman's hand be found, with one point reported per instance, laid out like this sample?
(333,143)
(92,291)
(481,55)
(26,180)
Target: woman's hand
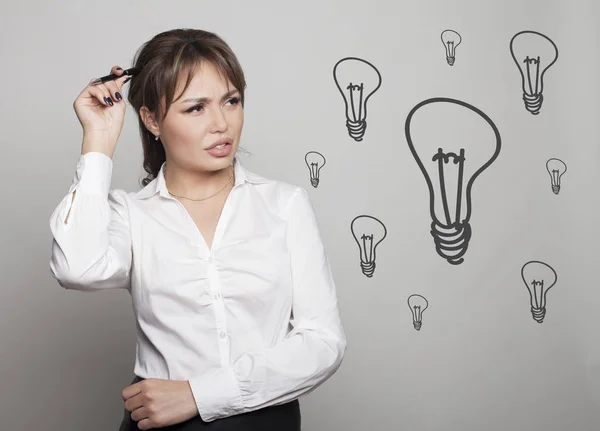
(157,403)
(101,110)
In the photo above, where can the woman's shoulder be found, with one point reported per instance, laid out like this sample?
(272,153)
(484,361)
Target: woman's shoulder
(276,191)
(283,188)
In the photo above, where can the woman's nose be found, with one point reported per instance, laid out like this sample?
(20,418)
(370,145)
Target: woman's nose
(218,121)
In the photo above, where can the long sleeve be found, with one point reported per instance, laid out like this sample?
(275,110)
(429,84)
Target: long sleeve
(91,246)
(311,352)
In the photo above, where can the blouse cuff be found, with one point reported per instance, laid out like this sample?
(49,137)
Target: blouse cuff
(216,393)
(93,174)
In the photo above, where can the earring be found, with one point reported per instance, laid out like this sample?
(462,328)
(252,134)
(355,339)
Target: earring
(156,138)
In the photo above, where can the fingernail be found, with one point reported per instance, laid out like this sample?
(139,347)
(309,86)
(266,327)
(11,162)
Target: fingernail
(127,80)
(109,101)
(118,68)
(118,95)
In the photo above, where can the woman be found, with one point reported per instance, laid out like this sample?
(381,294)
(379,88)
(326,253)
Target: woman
(236,308)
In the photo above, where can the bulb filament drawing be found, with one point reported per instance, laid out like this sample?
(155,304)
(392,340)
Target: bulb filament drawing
(357,80)
(417,304)
(538,277)
(368,232)
(315,161)
(451,156)
(450,40)
(556,168)
(533,53)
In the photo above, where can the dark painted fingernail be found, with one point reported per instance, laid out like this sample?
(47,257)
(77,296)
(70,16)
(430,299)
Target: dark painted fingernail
(118,68)
(127,80)
(109,101)
(118,95)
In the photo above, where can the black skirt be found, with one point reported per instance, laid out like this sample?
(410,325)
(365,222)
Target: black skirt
(283,417)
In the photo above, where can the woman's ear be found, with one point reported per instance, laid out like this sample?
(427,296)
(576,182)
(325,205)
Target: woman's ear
(149,121)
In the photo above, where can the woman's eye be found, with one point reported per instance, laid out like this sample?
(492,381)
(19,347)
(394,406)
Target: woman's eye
(233,100)
(194,107)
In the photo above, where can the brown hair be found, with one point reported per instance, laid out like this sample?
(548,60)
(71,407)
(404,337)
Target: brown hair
(165,58)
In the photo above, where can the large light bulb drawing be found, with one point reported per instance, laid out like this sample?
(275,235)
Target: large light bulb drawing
(538,277)
(556,168)
(357,80)
(417,304)
(450,40)
(533,54)
(315,161)
(368,233)
(451,155)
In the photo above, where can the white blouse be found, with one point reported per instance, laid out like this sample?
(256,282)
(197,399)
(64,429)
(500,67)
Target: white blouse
(251,322)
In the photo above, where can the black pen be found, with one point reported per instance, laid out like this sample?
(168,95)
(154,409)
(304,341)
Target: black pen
(130,72)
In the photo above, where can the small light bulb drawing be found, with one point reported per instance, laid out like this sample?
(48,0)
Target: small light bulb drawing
(556,168)
(315,161)
(538,277)
(450,40)
(533,53)
(357,80)
(368,232)
(451,155)
(417,304)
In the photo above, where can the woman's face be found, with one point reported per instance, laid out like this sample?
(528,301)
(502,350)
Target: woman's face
(208,111)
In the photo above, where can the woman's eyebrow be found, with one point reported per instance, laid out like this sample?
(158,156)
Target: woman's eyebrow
(207,99)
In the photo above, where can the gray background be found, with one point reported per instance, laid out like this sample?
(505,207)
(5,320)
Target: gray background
(480,362)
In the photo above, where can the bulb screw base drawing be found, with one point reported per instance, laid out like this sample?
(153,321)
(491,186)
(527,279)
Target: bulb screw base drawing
(450,60)
(538,314)
(314,182)
(356,129)
(451,243)
(533,102)
(555,189)
(368,268)
(417,325)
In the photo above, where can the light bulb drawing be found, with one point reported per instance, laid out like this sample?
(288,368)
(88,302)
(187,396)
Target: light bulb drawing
(357,80)
(533,53)
(315,161)
(417,304)
(451,40)
(451,155)
(368,232)
(556,168)
(538,277)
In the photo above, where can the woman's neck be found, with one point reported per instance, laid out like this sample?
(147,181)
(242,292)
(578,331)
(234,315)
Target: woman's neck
(198,185)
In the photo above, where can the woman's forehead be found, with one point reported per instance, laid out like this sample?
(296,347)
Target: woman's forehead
(205,78)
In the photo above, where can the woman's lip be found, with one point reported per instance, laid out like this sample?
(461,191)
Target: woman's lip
(220,152)
(219,142)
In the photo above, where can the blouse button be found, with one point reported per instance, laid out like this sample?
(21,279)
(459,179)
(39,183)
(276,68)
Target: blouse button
(222,334)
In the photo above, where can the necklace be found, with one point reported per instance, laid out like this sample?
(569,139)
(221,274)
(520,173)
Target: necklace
(229,181)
